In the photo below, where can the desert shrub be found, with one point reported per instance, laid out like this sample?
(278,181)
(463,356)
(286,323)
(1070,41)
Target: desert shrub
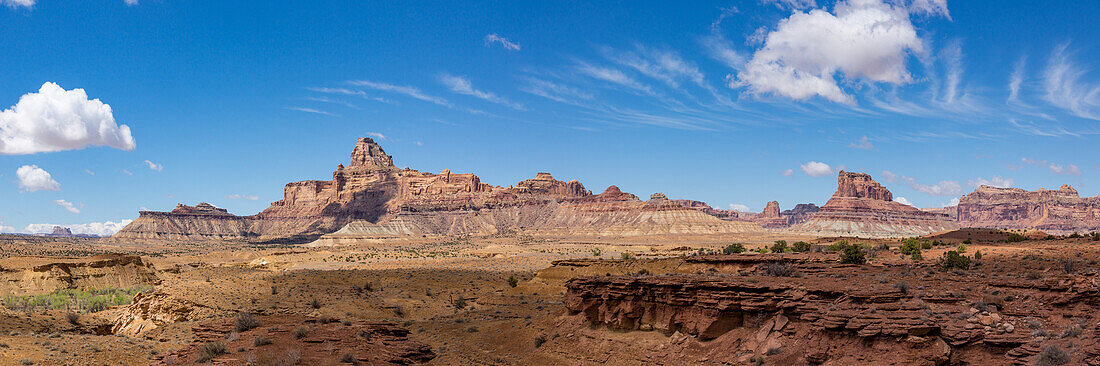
(953,260)
(399,311)
(26,361)
(626,256)
(1075,235)
(977,256)
(1069,265)
(73,318)
(539,340)
(761,250)
(244,322)
(836,247)
(596,252)
(261,341)
(301,331)
(458,302)
(967,241)
(643,272)
(1072,331)
(800,247)
(734,248)
(853,254)
(777,269)
(910,246)
(349,358)
(1052,356)
(916,256)
(961,248)
(1032,275)
(512,281)
(902,287)
(210,350)
(314,303)
(926,245)
(1015,238)
(780,246)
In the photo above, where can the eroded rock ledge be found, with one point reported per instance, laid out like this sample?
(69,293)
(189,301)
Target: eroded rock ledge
(824,303)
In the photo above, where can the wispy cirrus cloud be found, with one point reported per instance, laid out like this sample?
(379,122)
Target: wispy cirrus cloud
(462,85)
(493,38)
(1065,86)
(408,91)
(346,91)
(68,206)
(312,110)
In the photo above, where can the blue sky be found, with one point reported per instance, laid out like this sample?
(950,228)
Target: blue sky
(732,103)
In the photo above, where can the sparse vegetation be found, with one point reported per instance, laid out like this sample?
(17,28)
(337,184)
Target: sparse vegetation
(512,281)
(836,247)
(800,247)
(596,252)
(780,246)
(539,340)
(301,331)
(210,350)
(73,318)
(90,301)
(853,254)
(734,248)
(902,287)
(314,303)
(1052,356)
(626,256)
(1072,331)
(910,246)
(349,358)
(775,269)
(261,341)
(961,248)
(245,322)
(953,260)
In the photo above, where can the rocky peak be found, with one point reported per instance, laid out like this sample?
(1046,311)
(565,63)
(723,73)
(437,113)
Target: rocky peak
(369,155)
(658,197)
(200,209)
(61,231)
(860,185)
(772,210)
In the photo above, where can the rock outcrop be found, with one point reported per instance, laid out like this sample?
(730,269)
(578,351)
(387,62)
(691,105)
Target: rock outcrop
(45,275)
(1054,211)
(862,207)
(151,310)
(371,196)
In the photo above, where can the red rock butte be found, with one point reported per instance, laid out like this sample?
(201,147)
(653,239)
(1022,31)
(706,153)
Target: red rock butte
(372,197)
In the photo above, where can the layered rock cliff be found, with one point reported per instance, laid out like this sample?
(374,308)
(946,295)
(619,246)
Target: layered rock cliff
(377,198)
(862,207)
(1056,211)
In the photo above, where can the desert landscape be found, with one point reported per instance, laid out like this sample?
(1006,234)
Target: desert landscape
(383,265)
(590,183)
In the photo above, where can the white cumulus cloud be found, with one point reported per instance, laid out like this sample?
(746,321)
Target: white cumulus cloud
(242,197)
(32,178)
(67,205)
(492,38)
(816,169)
(55,119)
(998,182)
(15,3)
(1065,170)
(902,200)
(739,207)
(105,228)
(861,40)
(943,188)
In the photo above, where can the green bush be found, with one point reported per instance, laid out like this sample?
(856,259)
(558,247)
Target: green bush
(961,248)
(1015,238)
(780,246)
(954,260)
(800,247)
(734,248)
(836,247)
(910,246)
(916,256)
(512,281)
(626,256)
(853,254)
